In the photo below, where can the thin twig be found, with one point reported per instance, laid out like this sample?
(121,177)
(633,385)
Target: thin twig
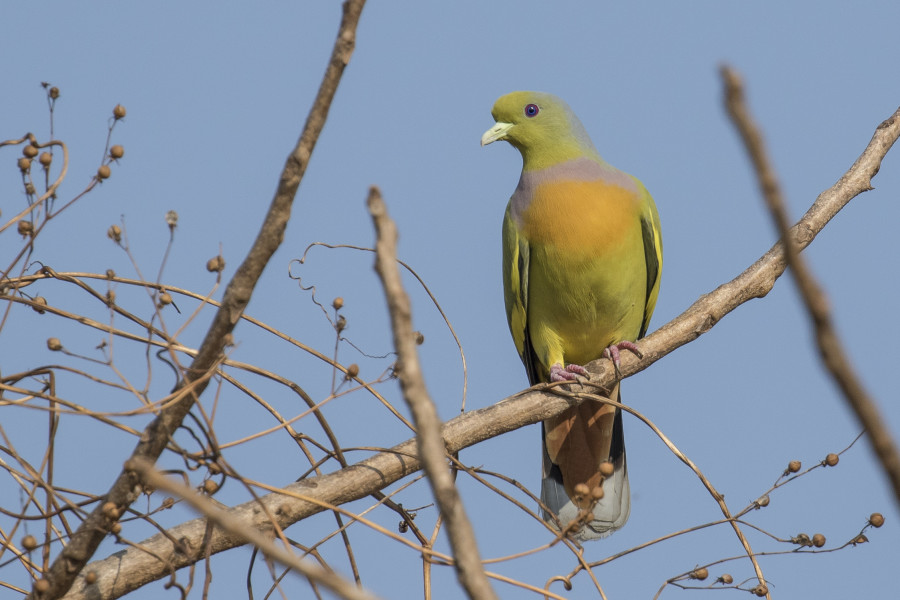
(830,347)
(431,449)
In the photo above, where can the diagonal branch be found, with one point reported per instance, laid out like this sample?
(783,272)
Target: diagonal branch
(830,347)
(210,509)
(130,569)
(430,446)
(97,525)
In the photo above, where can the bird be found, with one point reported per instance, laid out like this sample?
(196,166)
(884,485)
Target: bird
(582,259)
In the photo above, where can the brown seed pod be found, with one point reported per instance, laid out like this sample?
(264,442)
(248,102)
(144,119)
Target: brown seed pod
(818,540)
(168,502)
(29,542)
(832,459)
(54,93)
(29,151)
(110,274)
(165,299)
(39,301)
(337,303)
(860,539)
(725,578)
(45,159)
(760,590)
(116,528)
(215,264)
(104,172)
(114,233)
(876,519)
(794,466)
(116,152)
(110,510)
(607,468)
(54,344)
(763,501)
(582,490)
(597,493)
(24,164)
(420,338)
(90,577)
(25,228)
(352,371)
(119,112)
(210,487)
(699,574)
(41,586)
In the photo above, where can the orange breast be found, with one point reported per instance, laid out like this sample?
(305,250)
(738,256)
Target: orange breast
(580,217)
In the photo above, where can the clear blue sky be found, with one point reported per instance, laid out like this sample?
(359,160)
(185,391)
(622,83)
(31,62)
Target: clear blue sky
(216,96)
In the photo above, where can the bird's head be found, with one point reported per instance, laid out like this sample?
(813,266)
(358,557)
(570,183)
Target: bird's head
(541,126)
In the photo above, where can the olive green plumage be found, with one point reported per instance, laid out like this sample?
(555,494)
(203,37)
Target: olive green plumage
(582,256)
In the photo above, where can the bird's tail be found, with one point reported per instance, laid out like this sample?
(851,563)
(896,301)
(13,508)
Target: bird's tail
(576,443)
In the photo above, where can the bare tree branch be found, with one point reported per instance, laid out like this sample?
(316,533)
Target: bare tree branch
(431,449)
(830,347)
(132,568)
(84,542)
(266,545)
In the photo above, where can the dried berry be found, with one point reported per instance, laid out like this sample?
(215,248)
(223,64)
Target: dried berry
(114,233)
(832,459)
(104,172)
(793,466)
(54,344)
(119,112)
(337,303)
(29,151)
(216,264)
(876,519)
(45,159)
(818,540)
(701,573)
(29,542)
(25,228)
(117,152)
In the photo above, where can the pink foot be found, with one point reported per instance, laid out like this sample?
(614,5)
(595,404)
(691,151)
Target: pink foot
(569,373)
(612,353)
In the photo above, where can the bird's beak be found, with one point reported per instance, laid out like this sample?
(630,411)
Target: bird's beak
(497,132)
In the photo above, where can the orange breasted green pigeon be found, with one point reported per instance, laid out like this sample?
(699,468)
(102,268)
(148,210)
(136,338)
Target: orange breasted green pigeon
(582,256)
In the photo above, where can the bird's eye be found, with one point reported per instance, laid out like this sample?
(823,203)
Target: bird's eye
(532,110)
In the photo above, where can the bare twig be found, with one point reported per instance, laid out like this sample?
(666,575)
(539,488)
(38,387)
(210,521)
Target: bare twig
(431,449)
(220,518)
(132,568)
(84,542)
(830,347)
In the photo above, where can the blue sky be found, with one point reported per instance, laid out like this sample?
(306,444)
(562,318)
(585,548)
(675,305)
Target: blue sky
(216,96)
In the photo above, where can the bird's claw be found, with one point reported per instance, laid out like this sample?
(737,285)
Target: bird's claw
(613,353)
(567,373)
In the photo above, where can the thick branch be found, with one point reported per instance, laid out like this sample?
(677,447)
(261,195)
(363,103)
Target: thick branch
(266,545)
(830,347)
(431,449)
(94,528)
(132,568)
